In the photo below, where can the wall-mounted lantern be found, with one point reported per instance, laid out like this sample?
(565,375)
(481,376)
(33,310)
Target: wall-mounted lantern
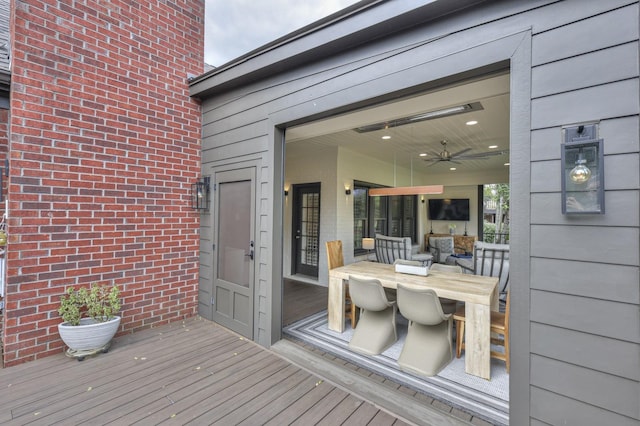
(582,170)
(200,194)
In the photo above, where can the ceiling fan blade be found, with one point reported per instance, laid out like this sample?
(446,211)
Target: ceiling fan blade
(432,161)
(482,155)
(460,152)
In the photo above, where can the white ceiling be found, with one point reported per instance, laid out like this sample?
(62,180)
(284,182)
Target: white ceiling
(408,141)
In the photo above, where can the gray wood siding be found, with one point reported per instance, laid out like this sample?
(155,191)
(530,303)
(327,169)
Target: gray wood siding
(585,317)
(575,280)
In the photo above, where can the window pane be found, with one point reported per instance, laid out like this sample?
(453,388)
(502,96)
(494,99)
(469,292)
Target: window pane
(394,216)
(379,215)
(360,220)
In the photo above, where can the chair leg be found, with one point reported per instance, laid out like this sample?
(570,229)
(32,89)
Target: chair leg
(506,351)
(459,337)
(353,315)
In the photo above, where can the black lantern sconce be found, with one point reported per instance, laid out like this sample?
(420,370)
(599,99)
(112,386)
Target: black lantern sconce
(200,194)
(582,170)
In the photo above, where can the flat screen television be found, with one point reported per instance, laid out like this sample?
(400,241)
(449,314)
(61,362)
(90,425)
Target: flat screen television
(449,209)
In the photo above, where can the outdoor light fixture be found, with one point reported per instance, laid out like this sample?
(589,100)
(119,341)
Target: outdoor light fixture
(200,194)
(582,170)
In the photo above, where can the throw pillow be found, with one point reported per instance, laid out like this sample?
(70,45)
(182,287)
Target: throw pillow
(444,246)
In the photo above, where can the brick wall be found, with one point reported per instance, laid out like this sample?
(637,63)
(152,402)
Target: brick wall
(104,145)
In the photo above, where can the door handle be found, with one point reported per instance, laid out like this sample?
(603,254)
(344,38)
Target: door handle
(250,255)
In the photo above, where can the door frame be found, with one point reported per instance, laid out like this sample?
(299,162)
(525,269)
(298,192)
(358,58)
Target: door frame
(295,218)
(209,233)
(512,51)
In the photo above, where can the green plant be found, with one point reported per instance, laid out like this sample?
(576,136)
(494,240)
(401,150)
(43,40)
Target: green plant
(99,302)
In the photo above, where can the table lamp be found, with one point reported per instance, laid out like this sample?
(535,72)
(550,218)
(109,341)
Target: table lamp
(368,244)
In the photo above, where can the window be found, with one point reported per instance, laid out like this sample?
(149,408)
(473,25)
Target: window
(394,216)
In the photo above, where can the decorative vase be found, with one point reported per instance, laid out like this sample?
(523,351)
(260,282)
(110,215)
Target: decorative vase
(89,335)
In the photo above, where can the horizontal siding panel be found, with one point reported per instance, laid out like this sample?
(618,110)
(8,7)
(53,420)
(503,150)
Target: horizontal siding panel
(553,409)
(591,104)
(546,210)
(546,143)
(596,352)
(620,172)
(434,61)
(535,422)
(560,13)
(592,69)
(596,280)
(621,135)
(603,318)
(236,150)
(211,139)
(574,39)
(611,393)
(586,243)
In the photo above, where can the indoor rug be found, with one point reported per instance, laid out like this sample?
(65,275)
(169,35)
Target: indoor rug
(488,399)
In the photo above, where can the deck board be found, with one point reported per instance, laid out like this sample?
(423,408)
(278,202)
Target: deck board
(187,372)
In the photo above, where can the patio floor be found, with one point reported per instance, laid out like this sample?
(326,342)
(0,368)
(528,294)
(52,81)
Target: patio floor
(191,372)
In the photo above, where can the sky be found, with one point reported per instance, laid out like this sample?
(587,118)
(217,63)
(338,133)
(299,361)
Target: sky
(235,27)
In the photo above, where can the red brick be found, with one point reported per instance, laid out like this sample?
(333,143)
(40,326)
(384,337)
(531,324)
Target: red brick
(93,165)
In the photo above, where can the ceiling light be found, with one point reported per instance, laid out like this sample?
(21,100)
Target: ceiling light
(493,146)
(445,112)
(386,137)
(452,168)
(507,164)
(471,123)
(423,154)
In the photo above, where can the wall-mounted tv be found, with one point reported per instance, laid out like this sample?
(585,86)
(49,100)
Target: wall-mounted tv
(449,209)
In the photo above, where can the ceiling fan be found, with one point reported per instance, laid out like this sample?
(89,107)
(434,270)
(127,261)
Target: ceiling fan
(445,155)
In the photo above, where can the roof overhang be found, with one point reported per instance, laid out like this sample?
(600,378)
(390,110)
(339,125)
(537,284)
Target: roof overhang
(356,25)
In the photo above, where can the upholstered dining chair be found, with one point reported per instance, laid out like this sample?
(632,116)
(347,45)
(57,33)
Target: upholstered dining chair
(377,325)
(389,249)
(449,306)
(491,260)
(499,325)
(428,347)
(335,259)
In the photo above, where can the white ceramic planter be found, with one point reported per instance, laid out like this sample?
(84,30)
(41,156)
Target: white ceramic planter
(89,335)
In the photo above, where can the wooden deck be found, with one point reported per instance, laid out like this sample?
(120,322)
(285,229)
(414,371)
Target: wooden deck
(194,372)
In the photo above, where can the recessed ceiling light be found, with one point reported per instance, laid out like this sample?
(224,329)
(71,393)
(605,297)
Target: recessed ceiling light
(493,146)
(423,154)
(385,137)
(452,168)
(507,164)
(471,123)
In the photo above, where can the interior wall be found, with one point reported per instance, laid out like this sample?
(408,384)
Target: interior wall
(336,169)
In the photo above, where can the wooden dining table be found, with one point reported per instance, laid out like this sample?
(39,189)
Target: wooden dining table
(479,293)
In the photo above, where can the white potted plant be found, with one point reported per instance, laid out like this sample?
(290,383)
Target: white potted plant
(90,319)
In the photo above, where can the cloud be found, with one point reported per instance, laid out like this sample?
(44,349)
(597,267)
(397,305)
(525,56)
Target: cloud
(236,27)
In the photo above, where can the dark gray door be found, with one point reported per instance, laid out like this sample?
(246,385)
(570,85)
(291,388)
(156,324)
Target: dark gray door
(306,221)
(233,266)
